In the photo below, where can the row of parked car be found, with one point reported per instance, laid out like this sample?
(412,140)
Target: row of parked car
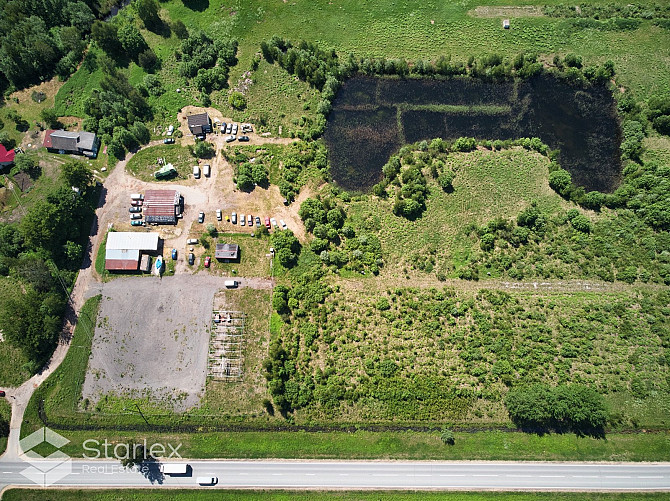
(136,210)
(232,128)
(246,220)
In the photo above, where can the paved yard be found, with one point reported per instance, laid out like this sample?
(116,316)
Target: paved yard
(152,338)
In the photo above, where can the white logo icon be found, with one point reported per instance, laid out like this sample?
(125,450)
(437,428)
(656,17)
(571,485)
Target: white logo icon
(45,471)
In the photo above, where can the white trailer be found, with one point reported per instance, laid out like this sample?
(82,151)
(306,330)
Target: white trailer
(174,468)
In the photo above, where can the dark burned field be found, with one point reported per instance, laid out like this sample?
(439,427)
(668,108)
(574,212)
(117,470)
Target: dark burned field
(373,117)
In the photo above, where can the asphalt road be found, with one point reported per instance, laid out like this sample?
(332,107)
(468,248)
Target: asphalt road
(369,475)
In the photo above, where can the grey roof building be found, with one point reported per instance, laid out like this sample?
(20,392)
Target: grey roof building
(199,124)
(65,141)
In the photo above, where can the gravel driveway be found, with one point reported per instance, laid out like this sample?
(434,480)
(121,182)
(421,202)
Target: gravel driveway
(152,336)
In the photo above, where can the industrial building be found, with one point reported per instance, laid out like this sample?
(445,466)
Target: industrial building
(161,206)
(124,250)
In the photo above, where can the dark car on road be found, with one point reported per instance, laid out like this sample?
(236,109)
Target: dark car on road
(243,139)
(191,258)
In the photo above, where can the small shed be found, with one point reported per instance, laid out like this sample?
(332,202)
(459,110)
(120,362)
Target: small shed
(227,252)
(506,24)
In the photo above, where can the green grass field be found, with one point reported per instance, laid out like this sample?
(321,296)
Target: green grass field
(190,495)
(145,162)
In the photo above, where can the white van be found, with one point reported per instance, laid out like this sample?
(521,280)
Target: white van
(206,170)
(196,172)
(174,468)
(207,480)
(191,241)
(137,196)
(231,284)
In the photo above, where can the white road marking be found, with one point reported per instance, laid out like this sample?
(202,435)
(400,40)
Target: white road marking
(585,476)
(651,476)
(452,475)
(484,475)
(552,476)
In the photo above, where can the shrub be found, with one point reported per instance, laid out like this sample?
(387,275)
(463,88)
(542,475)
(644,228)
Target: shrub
(465,144)
(447,437)
(560,181)
(237,100)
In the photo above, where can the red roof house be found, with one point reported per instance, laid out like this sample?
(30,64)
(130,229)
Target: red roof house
(6,157)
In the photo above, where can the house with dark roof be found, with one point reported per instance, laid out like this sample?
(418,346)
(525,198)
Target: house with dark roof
(6,156)
(76,142)
(199,124)
(227,252)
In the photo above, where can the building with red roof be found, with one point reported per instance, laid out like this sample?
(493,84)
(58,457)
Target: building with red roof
(6,157)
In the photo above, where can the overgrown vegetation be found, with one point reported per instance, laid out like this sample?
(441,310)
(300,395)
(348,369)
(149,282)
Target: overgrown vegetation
(41,255)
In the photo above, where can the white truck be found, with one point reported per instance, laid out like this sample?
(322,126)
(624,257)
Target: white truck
(230,284)
(174,468)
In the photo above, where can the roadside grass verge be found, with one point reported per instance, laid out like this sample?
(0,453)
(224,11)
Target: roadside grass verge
(144,163)
(61,391)
(401,445)
(247,495)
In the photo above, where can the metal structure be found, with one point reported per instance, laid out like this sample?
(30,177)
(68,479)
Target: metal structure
(226,346)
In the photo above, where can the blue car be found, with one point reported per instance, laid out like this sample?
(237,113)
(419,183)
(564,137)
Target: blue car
(174,253)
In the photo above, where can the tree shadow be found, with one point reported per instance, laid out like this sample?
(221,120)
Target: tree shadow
(150,468)
(197,5)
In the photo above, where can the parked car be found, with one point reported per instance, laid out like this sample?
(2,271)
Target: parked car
(2,393)
(168,140)
(243,221)
(243,139)
(201,217)
(137,223)
(250,220)
(267,222)
(135,216)
(192,241)
(223,127)
(258,222)
(247,128)
(235,129)
(229,128)
(207,480)
(135,209)
(170,130)
(208,260)
(230,139)
(174,254)
(219,216)
(233,217)
(137,196)
(196,172)
(137,203)
(206,170)
(191,258)
(273,222)
(283,224)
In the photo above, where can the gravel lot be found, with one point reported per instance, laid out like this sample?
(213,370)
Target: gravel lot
(152,338)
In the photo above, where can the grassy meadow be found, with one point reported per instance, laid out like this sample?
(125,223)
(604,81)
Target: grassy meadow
(12,360)
(144,163)
(487,185)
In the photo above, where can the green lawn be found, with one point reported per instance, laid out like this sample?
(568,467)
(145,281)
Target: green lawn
(144,163)
(191,495)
